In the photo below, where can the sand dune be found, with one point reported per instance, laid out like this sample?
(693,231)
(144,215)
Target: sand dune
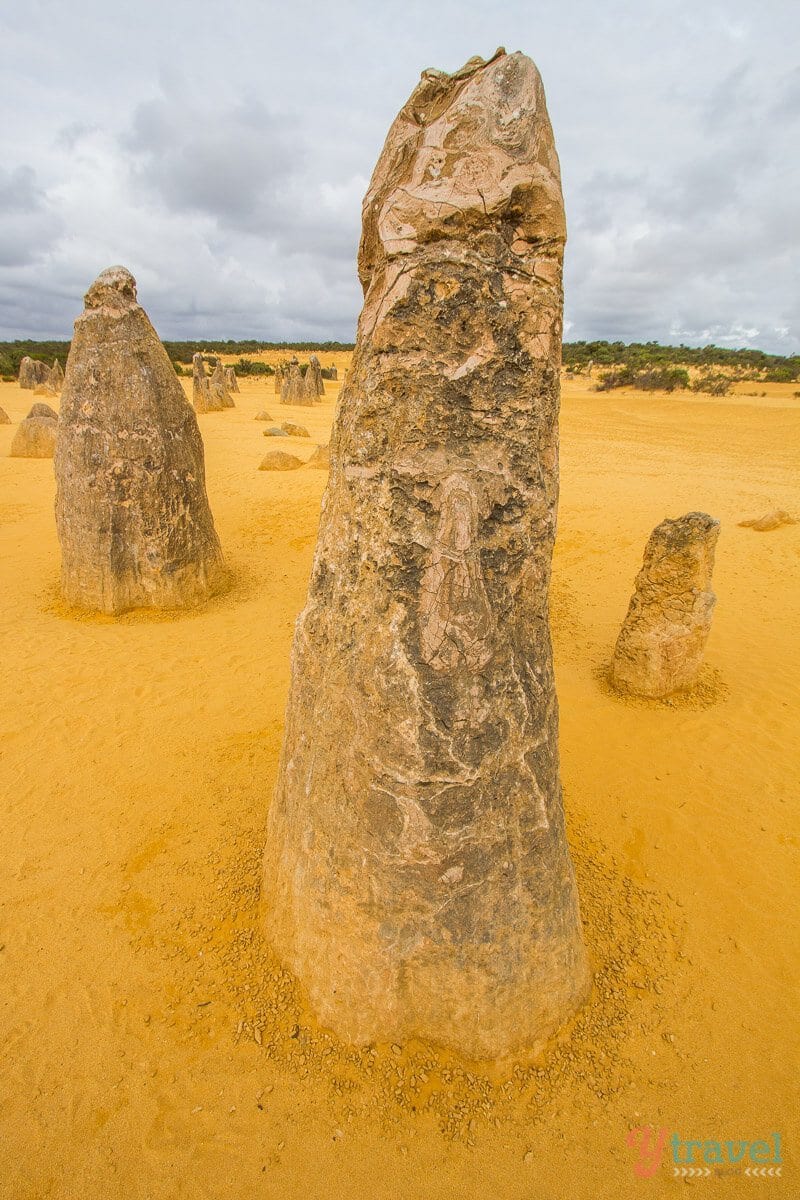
(151,1046)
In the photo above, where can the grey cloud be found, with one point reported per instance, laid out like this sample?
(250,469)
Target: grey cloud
(28,226)
(731,98)
(229,177)
(787,106)
(228,163)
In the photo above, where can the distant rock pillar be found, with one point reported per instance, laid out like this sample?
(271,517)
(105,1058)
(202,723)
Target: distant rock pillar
(200,393)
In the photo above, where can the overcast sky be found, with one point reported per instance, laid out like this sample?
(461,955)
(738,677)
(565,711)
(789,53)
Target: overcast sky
(220,150)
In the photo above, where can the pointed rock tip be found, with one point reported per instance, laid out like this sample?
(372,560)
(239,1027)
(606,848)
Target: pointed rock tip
(470,66)
(114,288)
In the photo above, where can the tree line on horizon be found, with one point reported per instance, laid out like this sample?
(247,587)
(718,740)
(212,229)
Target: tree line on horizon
(630,360)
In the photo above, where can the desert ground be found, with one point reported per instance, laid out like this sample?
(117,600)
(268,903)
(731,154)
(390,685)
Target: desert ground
(153,1048)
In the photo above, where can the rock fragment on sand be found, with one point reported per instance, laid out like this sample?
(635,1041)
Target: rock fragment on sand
(263,416)
(37,435)
(45,389)
(5,419)
(132,513)
(321,458)
(660,646)
(295,430)
(417,878)
(278,460)
(771,520)
(275,431)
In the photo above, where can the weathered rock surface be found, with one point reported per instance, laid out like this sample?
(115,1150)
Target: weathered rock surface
(275,431)
(295,430)
(278,460)
(771,520)
(230,379)
(278,380)
(44,389)
(133,517)
(321,458)
(5,419)
(32,373)
(262,416)
(56,375)
(417,876)
(660,647)
(37,435)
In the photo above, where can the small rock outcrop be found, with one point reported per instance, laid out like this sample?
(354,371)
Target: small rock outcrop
(278,460)
(309,394)
(295,430)
(275,431)
(132,513)
(42,412)
(45,389)
(37,435)
(218,387)
(201,395)
(231,380)
(263,416)
(27,374)
(33,373)
(771,520)
(315,371)
(660,647)
(321,458)
(56,375)
(292,387)
(278,381)
(329,373)
(417,877)
(5,419)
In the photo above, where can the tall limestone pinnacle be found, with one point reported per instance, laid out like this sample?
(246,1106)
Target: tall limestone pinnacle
(131,507)
(417,877)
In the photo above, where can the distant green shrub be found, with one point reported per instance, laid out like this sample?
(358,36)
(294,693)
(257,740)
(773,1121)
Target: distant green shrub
(781,374)
(653,379)
(248,366)
(713,384)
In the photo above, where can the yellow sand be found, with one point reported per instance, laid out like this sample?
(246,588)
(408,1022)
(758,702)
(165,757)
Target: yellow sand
(152,1048)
